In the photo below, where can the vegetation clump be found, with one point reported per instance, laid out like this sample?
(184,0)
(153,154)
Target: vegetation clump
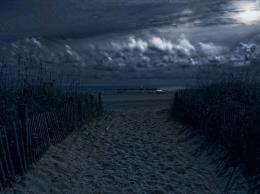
(228,114)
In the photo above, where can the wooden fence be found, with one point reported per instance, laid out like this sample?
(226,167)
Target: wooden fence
(28,138)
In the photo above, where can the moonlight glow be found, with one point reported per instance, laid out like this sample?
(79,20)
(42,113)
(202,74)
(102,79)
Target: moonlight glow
(249,13)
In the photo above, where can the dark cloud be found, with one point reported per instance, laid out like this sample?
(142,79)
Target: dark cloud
(78,18)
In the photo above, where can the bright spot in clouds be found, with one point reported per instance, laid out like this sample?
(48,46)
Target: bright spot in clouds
(185,45)
(210,48)
(161,43)
(249,12)
(182,44)
(137,44)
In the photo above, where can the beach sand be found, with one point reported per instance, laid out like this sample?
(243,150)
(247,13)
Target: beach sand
(134,148)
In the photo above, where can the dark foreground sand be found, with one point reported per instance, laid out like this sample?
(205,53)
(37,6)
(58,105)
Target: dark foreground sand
(136,148)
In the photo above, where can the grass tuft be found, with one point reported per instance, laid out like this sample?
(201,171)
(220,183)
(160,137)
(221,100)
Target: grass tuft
(228,114)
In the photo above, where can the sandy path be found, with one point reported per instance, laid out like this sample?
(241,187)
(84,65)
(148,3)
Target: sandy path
(134,151)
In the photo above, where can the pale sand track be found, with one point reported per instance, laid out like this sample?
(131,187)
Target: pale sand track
(135,150)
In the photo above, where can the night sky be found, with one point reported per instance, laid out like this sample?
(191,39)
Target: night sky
(70,17)
(130,39)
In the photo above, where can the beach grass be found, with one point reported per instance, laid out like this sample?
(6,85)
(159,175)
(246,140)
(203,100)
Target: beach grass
(228,114)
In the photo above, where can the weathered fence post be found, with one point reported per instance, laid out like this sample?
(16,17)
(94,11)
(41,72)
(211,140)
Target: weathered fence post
(87,109)
(19,168)
(3,174)
(79,103)
(73,112)
(2,107)
(92,106)
(4,157)
(23,117)
(9,157)
(100,105)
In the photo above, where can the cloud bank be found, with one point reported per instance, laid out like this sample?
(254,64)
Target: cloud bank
(152,55)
